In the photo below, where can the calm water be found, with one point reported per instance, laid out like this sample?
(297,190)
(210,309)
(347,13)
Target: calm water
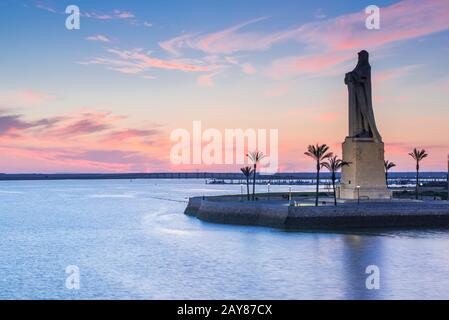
(131,240)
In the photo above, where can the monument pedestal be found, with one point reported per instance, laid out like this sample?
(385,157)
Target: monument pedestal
(365,176)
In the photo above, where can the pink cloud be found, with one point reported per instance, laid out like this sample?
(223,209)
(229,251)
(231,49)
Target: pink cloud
(394,73)
(317,64)
(225,41)
(62,160)
(82,141)
(45,7)
(124,14)
(206,80)
(98,141)
(80,127)
(127,70)
(228,41)
(174,45)
(98,37)
(338,38)
(122,135)
(84,123)
(335,39)
(248,68)
(98,16)
(403,20)
(114,15)
(25,98)
(135,62)
(13,125)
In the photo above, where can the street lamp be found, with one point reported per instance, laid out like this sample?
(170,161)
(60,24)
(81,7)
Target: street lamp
(241,192)
(268,186)
(358,194)
(419,189)
(289,195)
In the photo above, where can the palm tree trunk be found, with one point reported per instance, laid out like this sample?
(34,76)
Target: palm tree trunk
(335,193)
(247,187)
(386,178)
(317,183)
(417,181)
(254,182)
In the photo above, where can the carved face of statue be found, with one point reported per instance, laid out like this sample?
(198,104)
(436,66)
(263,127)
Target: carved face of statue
(363,57)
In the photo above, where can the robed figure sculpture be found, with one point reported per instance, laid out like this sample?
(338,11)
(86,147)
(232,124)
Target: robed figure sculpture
(361,116)
(363,148)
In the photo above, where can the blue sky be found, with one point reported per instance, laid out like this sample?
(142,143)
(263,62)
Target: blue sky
(145,68)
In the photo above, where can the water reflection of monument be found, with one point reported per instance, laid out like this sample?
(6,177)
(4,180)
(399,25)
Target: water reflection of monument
(360,251)
(363,147)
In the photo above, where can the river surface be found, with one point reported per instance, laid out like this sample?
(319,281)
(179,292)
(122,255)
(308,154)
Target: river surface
(131,240)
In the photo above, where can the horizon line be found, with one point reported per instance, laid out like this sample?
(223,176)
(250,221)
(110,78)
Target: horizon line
(194,172)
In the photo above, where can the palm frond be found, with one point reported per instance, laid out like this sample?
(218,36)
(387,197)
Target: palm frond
(388,165)
(247,171)
(342,164)
(326,165)
(255,156)
(418,155)
(333,163)
(318,152)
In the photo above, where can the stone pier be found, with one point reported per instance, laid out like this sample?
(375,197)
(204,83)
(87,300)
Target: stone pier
(277,214)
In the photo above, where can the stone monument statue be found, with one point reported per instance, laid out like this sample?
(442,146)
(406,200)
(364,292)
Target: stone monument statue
(361,116)
(363,147)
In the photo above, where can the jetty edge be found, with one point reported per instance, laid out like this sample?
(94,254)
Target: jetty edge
(349,215)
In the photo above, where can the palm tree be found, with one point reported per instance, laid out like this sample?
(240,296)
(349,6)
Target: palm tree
(255,157)
(334,164)
(388,165)
(318,153)
(247,173)
(418,155)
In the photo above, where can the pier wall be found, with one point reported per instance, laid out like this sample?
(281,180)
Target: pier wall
(393,214)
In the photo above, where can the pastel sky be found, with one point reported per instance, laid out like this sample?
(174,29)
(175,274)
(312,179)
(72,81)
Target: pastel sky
(106,97)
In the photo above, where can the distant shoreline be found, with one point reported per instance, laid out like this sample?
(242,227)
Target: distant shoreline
(192,175)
